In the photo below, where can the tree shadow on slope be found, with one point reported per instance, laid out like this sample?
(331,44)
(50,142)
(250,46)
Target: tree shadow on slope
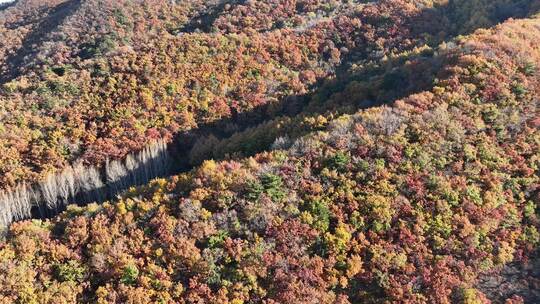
(514,279)
(31,43)
(205,21)
(456,17)
(7,5)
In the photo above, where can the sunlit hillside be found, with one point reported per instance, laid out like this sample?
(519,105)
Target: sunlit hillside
(273,151)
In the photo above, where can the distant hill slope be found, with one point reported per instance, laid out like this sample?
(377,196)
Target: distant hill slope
(408,203)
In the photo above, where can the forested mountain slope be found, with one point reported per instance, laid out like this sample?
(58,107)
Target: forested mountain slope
(92,91)
(86,81)
(409,202)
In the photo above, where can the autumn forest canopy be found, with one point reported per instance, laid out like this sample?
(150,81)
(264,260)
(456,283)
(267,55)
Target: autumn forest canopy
(273,151)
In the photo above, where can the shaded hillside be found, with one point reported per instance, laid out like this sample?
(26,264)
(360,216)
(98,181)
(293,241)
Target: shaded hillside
(407,203)
(33,40)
